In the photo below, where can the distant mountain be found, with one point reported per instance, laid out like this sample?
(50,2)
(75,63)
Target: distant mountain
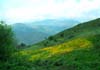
(27,35)
(30,33)
(53,26)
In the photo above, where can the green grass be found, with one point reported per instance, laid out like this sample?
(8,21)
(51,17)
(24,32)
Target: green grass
(77,54)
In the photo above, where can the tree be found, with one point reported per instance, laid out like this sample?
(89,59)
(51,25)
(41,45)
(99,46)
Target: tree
(62,35)
(21,45)
(50,38)
(6,41)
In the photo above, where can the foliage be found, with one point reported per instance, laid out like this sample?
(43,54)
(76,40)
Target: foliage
(6,41)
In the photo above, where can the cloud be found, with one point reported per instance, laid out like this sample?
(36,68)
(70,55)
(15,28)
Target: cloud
(29,10)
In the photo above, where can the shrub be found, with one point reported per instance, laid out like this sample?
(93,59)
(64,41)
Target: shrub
(62,35)
(6,41)
(50,38)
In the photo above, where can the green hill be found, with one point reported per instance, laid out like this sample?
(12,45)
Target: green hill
(77,48)
(80,30)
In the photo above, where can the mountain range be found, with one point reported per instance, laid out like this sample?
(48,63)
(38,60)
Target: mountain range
(31,33)
(27,35)
(53,26)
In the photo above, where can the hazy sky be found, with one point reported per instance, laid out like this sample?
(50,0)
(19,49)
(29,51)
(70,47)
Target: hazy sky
(14,11)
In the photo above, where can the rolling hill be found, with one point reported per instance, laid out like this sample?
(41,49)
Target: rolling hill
(77,48)
(27,35)
(81,30)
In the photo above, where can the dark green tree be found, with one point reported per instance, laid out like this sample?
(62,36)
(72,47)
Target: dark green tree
(50,38)
(6,41)
(21,46)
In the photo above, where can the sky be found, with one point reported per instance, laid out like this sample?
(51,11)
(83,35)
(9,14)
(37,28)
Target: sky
(15,11)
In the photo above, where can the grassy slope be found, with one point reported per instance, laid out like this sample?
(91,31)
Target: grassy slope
(77,54)
(77,48)
(88,28)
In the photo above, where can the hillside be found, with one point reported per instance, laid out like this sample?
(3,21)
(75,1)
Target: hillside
(83,29)
(27,35)
(77,48)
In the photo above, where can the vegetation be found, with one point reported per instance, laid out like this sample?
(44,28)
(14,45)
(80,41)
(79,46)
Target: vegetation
(77,54)
(80,30)
(6,41)
(77,48)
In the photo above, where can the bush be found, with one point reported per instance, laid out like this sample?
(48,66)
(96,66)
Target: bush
(50,38)
(6,41)
(62,35)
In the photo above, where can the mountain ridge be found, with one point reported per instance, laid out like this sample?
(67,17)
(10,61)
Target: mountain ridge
(41,29)
(27,35)
(76,31)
